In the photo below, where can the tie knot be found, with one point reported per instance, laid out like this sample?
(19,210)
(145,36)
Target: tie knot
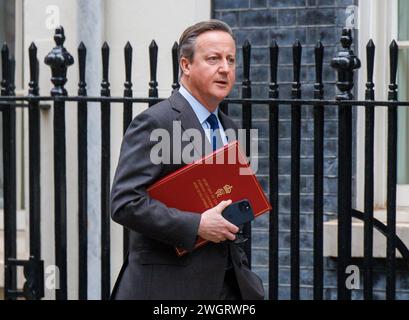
(212,120)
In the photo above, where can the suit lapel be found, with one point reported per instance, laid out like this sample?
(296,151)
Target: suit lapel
(227,123)
(188,120)
(228,126)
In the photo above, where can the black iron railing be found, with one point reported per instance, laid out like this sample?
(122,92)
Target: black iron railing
(345,63)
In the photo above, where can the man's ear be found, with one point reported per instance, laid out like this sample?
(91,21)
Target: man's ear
(185,66)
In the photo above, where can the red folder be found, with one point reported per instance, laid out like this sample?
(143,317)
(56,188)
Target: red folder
(222,175)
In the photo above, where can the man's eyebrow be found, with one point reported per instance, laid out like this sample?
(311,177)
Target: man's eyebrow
(212,51)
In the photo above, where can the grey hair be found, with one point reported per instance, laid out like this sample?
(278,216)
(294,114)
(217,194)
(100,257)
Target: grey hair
(188,38)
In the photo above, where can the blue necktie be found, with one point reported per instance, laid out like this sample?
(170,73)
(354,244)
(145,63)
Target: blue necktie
(215,133)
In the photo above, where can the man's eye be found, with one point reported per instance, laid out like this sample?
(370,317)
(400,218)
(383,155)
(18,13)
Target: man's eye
(231,61)
(212,59)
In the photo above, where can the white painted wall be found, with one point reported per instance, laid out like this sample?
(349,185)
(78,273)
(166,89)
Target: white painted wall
(35,29)
(377,21)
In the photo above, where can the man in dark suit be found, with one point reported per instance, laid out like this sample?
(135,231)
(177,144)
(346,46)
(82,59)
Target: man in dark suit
(152,269)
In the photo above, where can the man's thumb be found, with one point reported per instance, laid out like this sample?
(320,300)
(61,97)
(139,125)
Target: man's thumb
(223,204)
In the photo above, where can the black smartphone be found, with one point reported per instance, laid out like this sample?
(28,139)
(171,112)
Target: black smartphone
(239,212)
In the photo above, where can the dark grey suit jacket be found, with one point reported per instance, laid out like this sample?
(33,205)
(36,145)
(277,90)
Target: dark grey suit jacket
(152,270)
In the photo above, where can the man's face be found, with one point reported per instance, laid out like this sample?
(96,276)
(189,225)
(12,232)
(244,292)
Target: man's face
(211,74)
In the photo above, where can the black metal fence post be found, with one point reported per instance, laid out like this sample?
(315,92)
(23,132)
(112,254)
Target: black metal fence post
(82,177)
(59,60)
(35,284)
(369,175)
(345,63)
(273,172)
(318,174)
(246,118)
(175,67)
(105,178)
(153,63)
(127,118)
(128,86)
(9,174)
(392,175)
(295,172)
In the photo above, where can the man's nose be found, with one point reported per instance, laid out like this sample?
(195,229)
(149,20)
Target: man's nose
(224,66)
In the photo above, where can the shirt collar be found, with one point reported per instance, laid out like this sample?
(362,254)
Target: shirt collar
(200,110)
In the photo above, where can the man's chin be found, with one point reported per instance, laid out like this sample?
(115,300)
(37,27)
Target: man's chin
(222,93)
(220,98)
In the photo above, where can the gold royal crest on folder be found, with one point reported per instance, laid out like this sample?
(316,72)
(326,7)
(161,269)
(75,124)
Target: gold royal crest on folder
(225,190)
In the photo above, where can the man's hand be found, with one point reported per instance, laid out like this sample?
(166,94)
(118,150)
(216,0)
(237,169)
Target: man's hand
(214,227)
